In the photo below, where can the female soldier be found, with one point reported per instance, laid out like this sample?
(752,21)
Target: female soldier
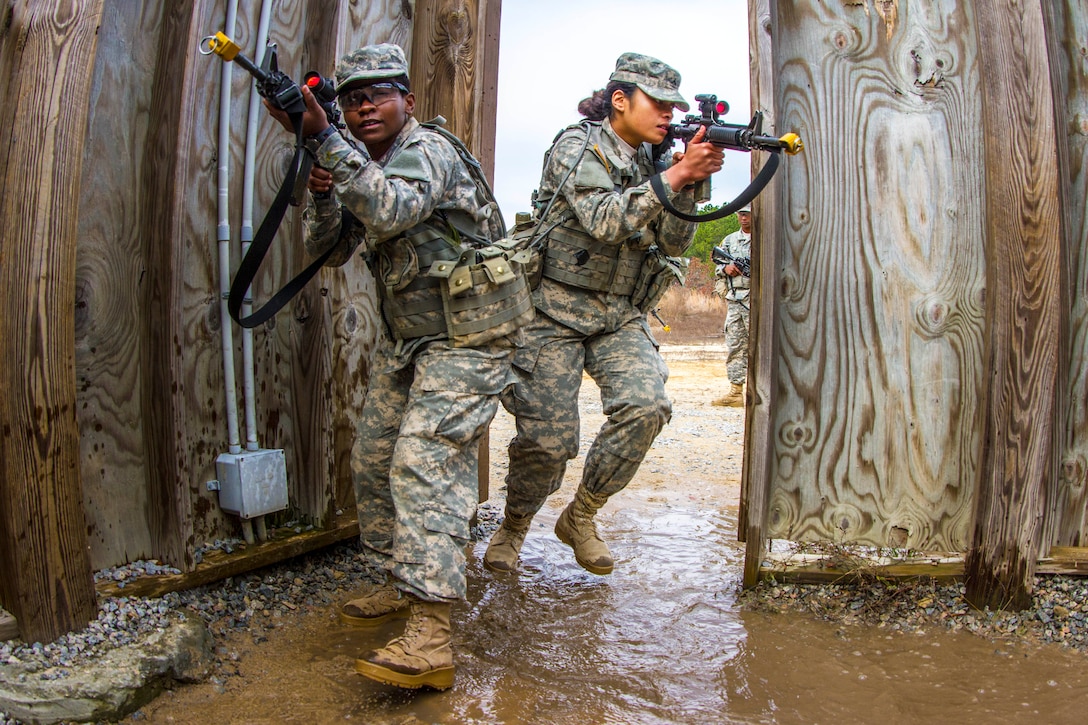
(595,197)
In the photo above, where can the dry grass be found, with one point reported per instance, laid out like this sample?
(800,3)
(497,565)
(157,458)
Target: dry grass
(693,315)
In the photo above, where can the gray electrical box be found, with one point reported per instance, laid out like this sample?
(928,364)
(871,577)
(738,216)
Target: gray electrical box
(253,483)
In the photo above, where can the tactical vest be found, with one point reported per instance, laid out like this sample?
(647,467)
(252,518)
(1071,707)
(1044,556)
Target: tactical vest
(575,258)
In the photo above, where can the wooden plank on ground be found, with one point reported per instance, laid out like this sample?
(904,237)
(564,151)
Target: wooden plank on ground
(814,569)
(283,544)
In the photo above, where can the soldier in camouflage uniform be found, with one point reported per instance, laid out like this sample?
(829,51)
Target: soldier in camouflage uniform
(414,461)
(734,287)
(596,188)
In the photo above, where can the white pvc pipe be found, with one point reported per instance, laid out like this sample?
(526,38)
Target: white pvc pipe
(249,385)
(223,237)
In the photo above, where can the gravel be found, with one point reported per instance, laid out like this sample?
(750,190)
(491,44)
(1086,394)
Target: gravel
(1058,615)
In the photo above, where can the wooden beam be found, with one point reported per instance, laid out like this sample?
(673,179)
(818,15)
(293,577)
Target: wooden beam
(763,342)
(282,545)
(1022,303)
(44,563)
(455,72)
(1066,22)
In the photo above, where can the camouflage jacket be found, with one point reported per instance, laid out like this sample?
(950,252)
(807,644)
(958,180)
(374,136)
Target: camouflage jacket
(420,175)
(738,245)
(609,194)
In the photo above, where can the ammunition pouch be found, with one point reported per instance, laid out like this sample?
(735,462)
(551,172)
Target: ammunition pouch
(657,273)
(575,258)
(484,293)
(432,286)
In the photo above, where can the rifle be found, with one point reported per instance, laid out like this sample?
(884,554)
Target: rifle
(744,264)
(723,135)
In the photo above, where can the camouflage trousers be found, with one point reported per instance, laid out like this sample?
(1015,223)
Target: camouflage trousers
(631,374)
(736,341)
(415,459)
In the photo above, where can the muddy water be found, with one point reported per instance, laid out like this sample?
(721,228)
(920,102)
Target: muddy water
(661,640)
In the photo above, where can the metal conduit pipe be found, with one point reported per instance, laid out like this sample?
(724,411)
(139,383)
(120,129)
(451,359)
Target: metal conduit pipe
(248,172)
(223,237)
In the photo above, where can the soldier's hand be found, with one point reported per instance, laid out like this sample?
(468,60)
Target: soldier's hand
(732,270)
(698,161)
(320,181)
(314,119)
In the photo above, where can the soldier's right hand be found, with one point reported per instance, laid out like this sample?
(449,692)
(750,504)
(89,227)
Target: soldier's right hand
(320,181)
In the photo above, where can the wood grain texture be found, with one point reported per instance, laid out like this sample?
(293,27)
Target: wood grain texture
(446,49)
(763,340)
(1023,315)
(1067,31)
(881,275)
(47,580)
(109,268)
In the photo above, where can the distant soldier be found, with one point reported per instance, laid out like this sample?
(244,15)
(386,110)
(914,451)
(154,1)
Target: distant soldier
(406,200)
(596,198)
(734,286)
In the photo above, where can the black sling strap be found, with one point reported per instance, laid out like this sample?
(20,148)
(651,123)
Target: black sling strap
(745,197)
(262,240)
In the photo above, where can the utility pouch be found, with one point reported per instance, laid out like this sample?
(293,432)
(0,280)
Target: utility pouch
(657,273)
(485,294)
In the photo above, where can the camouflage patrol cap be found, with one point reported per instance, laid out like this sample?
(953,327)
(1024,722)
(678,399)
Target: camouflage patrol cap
(656,79)
(371,63)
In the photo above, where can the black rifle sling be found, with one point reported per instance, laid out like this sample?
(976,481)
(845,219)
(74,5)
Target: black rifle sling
(262,240)
(746,196)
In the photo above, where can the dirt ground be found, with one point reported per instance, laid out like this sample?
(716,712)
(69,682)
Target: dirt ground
(302,670)
(664,639)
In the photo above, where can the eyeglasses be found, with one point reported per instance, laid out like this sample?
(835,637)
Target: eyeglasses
(375,94)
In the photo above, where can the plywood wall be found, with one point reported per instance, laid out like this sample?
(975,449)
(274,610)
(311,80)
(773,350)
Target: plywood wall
(149,364)
(881,275)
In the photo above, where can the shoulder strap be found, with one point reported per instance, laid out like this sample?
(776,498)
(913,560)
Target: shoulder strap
(475,170)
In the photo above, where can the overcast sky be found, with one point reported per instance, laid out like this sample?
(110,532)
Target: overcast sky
(552,54)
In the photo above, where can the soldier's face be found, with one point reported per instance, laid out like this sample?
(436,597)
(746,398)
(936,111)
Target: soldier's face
(745,220)
(378,125)
(640,119)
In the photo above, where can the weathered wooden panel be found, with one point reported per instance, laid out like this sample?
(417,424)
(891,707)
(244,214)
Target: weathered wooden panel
(44,565)
(1023,232)
(762,358)
(1067,36)
(881,274)
(349,290)
(109,267)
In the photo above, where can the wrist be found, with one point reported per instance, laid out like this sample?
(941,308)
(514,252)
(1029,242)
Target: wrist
(320,136)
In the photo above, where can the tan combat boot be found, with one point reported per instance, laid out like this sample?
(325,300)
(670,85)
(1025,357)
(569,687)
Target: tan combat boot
(576,529)
(382,604)
(502,550)
(421,656)
(733,399)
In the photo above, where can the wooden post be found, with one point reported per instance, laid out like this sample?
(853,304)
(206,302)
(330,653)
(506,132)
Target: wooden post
(1022,303)
(763,343)
(45,569)
(454,71)
(1066,22)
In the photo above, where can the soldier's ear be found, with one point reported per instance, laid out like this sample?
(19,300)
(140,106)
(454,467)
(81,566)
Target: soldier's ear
(409,103)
